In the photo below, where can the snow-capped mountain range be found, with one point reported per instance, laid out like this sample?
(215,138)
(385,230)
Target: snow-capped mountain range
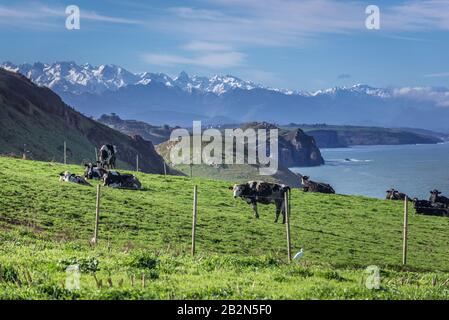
(160,99)
(70,77)
(74,78)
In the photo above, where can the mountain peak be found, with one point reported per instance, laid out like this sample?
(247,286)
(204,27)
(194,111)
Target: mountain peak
(183,75)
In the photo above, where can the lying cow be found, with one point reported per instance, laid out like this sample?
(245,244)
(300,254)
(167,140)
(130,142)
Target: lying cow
(436,198)
(107,156)
(114,179)
(426,207)
(94,172)
(70,177)
(255,192)
(312,186)
(393,194)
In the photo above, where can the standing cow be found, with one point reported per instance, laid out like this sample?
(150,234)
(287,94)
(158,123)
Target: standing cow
(108,156)
(255,192)
(312,186)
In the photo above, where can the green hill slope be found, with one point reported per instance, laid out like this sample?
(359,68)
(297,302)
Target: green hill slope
(45,226)
(35,120)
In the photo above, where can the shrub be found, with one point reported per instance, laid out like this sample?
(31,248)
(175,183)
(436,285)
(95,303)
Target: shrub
(89,265)
(144,260)
(9,274)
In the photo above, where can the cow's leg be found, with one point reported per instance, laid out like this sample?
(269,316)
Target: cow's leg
(254,205)
(278,210)
(283,211)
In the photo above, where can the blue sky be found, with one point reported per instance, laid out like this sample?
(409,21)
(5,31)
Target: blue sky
(304,45)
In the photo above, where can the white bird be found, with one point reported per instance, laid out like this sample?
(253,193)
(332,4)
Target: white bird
(299,255)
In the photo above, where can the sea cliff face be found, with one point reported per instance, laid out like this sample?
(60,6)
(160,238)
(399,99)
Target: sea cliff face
(334,136)
(297,149)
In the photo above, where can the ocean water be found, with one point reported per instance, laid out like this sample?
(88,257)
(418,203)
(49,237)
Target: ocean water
(371,170)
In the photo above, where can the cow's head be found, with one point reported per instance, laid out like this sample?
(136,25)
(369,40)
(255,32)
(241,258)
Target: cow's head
(88,171)
(63,176)
(435,192)
(106,178)
(238,189)
(304,179)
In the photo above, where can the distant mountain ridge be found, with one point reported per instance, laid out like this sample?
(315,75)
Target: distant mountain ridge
(159,99)
(78,79)
(68,76)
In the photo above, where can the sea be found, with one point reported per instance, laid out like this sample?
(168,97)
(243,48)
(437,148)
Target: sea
(371,170)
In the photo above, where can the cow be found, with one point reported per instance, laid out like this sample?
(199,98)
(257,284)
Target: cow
(393,194)
(312,186)
(114,179)
(254,192)
(94,172)
(108,156)
(70,177)
(436,198)
(426,207)
(421,203)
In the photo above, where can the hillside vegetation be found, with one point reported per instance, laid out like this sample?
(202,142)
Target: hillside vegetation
(35,121)
(46,225)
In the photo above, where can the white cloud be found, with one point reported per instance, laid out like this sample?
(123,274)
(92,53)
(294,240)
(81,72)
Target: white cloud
(418,16)
(37,14)
(291,23)
(217,60)
(439,96)
(206,46)
(437,75)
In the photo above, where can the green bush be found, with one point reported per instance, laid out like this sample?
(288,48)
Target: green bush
(88,265)
(9,274)
(144,260)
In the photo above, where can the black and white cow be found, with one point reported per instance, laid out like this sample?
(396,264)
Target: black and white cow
(312,186)
(70,177)
(393,194)
(436,198)
(255,192)
(114,179)
(428,208)
(94,172)
(108,156)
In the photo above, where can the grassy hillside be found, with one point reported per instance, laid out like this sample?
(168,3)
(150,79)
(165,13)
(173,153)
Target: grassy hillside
(45,226)
(35,121)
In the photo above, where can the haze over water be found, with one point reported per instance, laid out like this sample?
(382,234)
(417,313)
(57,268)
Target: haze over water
(371,170)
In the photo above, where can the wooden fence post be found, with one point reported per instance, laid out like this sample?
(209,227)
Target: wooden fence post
(96,155)
(97,215)
(287,225)
(65,152)
(165,169)
(137,163)
(405,235)
(195,202)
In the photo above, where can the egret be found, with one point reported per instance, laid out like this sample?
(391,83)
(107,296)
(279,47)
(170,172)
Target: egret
(299,255)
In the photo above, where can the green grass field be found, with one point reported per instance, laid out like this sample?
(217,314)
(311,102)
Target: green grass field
(46,226)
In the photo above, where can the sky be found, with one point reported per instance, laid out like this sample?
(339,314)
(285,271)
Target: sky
(301,45)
